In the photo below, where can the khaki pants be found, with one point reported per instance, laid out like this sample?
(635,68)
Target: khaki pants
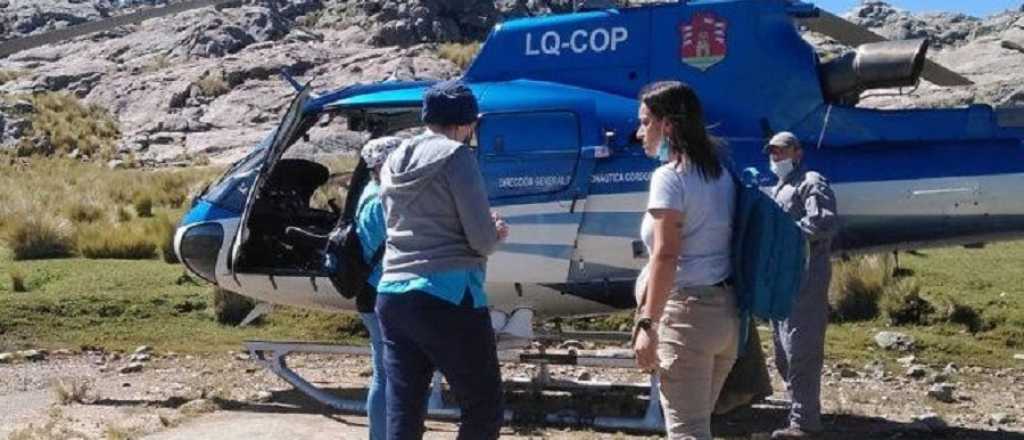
(697,346)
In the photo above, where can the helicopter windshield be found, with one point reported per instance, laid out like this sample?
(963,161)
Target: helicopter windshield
(230,191)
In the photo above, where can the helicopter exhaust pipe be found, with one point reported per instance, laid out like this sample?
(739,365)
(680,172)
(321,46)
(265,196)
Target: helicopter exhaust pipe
(873,66)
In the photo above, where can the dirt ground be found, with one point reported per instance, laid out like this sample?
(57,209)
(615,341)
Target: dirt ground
(228,397)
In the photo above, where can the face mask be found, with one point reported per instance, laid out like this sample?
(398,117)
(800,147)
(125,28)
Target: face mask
(664,150)
(782,168)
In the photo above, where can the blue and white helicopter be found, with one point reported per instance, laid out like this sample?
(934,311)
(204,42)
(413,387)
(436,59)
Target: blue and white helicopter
(555,142)
(558,99)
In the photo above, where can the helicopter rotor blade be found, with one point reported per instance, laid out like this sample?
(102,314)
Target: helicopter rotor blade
(16,45)
(853,35)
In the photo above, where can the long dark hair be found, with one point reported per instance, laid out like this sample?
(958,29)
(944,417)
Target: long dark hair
(678,103)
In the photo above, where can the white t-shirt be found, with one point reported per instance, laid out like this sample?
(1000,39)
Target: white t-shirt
(707,209)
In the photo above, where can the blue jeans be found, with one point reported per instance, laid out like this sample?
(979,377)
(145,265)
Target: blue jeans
(423,332)
(376,398)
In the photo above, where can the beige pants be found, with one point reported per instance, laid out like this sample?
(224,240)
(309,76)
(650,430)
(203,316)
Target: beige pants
(697,346)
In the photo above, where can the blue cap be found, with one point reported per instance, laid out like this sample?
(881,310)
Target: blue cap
(449,103)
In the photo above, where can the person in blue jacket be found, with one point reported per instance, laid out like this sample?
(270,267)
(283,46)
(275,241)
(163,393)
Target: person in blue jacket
(372,231)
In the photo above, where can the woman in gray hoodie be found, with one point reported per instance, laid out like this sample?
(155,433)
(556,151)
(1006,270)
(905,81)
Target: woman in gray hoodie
(432,305)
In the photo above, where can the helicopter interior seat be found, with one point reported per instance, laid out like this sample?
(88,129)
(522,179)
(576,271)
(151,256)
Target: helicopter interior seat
(285,203)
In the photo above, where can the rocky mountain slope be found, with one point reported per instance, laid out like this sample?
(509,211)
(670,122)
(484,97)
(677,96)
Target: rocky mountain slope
(205,83)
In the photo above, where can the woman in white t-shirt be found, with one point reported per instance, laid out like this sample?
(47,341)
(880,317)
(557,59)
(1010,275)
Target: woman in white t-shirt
(687,327)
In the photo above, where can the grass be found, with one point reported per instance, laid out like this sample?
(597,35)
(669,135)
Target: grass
(68,390)
(462,54)
(65,124)
(53,208)
(121,304)
(8,75)
(213,85)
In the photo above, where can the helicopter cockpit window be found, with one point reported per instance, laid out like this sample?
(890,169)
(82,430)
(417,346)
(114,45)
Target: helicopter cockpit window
(528,153)
(512,133)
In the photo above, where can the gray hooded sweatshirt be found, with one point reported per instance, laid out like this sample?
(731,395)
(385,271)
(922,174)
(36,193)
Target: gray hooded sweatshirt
(436,207)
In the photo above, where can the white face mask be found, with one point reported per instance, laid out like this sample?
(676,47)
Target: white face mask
(782,168)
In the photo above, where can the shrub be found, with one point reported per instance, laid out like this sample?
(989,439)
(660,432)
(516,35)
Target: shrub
(119,242)
(461,54)
(229,307)
(213,85)
(857,286)
(903,304)
(162,231)
(34,236)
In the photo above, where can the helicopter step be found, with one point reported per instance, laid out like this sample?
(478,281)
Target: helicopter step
(273,355)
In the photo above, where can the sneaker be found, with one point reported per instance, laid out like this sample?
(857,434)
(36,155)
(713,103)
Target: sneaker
(794,433)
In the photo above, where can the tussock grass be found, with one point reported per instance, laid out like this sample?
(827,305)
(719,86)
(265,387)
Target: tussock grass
(230,308)
(213,84)
(857,286)
(68,390)
(462,54)
(36,236)
(18,281)
(127,242)
(157,63)
(53,206)
(904,305)
(8,75)
(144,206)
(65,124)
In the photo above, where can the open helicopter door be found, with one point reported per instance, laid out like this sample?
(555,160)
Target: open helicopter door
(537,172)
(285,134)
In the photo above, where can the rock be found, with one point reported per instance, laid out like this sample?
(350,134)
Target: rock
(140,357)
(143,349)
(6,358)
(894,341)
(1018,357)
(1001,419)
(942,392)
(848,373)
(198,406)
(571,344)
(133,367)
(116,164)
(939,378)
(63,352)
(951,369)
(32,355)
(366,372)
(907,360)
(242,356)
(930,422)
(584,376)
(917,372)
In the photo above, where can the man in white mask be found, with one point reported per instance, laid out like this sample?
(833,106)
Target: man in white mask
(800,340)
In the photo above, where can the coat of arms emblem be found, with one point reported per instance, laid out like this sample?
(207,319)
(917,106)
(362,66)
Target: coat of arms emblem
(704,40)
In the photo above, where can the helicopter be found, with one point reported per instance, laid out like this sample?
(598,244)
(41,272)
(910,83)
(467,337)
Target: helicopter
(556,145)
(558,100)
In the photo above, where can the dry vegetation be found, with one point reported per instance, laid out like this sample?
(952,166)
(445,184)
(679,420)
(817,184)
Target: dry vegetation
(462,54)
(213,84)
(55,208)
(61,124)
(9,75)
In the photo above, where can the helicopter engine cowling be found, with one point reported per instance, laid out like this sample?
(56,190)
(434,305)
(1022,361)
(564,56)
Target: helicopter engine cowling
(871,66)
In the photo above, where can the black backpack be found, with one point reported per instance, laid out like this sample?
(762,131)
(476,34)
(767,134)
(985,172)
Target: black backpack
(352,270)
